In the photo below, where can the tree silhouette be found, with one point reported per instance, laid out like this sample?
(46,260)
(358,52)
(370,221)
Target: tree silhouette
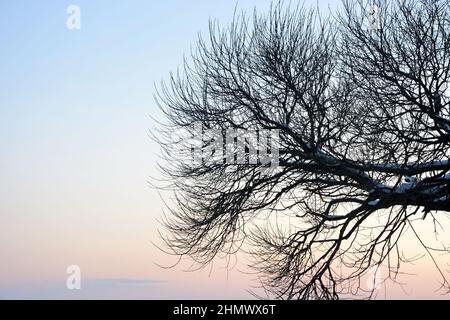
(363,119)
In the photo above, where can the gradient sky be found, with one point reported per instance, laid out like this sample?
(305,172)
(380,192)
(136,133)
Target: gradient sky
(75,155)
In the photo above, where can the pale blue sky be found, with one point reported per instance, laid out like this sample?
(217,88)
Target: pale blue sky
(75,156)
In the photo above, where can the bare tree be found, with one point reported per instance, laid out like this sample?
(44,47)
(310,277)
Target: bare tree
(364,134)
